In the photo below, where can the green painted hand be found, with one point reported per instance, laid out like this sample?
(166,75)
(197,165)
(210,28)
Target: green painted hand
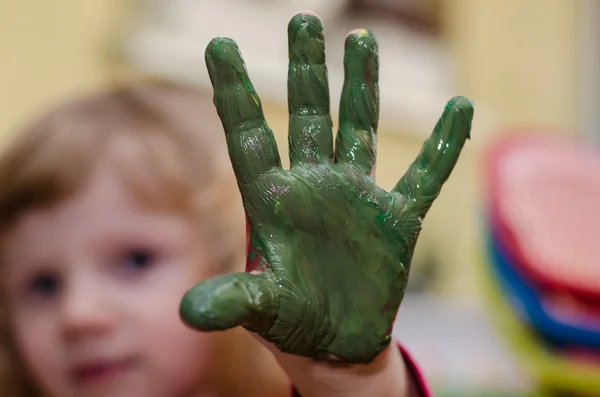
(329,251)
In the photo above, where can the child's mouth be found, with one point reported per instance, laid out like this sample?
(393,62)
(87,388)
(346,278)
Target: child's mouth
(98,371)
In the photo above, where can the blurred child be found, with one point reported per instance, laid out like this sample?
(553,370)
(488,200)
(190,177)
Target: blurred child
(111,207)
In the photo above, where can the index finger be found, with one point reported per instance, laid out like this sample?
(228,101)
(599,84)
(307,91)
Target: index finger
(422,182)
(252,147)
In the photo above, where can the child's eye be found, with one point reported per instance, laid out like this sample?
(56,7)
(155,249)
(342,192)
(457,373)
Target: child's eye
(138,260)
(45,285)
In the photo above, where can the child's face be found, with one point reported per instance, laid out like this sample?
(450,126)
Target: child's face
(93,288)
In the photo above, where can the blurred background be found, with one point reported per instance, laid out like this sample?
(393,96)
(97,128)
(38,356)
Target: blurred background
(527,64)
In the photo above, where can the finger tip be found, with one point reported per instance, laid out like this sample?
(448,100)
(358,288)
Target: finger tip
(305,19)
(361,37)
(361,33)
(221,43)
(187,308)
(216,45)
(307,12)
(465,108)
(465,101)
(463,105)
(195,308)
(223,50)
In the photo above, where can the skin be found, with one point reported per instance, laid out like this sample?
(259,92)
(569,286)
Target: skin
(330,251)
(98,278)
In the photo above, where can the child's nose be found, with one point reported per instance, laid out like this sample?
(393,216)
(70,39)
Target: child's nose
(85,312)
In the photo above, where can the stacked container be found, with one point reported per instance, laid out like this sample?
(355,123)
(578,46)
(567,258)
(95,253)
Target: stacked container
(541,262)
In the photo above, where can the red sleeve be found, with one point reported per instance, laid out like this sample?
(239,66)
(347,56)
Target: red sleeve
(418,386)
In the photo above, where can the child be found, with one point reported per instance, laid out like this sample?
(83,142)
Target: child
(111,208)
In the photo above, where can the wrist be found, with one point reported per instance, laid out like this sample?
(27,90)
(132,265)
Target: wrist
(384,376)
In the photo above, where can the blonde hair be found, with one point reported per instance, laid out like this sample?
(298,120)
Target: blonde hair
(153,132)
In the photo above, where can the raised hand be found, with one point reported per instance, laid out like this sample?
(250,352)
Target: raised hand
(329,251)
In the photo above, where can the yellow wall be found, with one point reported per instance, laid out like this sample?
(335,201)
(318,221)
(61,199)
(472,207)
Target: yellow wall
(50,50)
(521,57)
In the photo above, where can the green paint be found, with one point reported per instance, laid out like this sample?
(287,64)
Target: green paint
(359,105)
(310,126)
(422,183)
(335,249)
(240,111)
(255,298)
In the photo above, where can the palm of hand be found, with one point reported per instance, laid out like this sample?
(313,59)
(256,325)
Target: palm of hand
(329,251)
(330,238)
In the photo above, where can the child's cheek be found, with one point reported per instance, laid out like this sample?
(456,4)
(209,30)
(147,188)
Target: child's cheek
(174,354)
(37,342)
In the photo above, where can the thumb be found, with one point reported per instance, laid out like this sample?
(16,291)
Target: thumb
(230,300)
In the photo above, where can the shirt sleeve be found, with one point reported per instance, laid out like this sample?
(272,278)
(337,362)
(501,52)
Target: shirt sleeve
(418,386)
